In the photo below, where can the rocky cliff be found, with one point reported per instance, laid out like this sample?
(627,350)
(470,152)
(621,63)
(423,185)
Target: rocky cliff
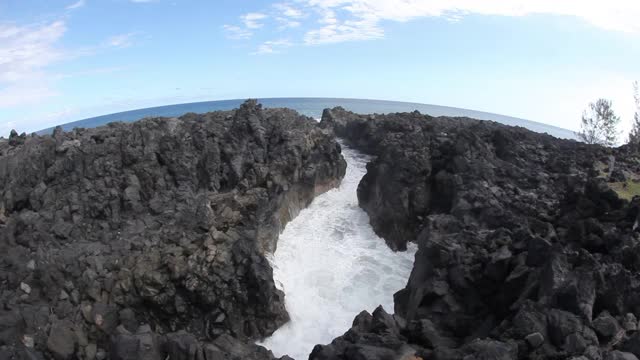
(525,252)
(147,240)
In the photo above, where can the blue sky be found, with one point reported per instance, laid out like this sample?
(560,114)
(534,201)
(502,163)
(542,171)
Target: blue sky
(542,60)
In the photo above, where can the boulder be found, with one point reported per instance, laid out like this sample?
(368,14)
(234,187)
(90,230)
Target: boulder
(62,340)
(606,326)
(619,355)
(535,339)
(630,323)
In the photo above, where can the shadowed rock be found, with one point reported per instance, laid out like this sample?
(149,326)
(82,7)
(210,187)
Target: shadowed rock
(524,251)
(163,222)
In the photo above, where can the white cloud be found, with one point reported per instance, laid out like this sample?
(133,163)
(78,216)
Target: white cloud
(288,15)
(285,14)
(28,93)
(336,21)
(361,19)
(25,49)
(121,40)
(289,10)
(273,46)
(334,30)
(25,52)
(251,20)
(286,23)
(237,32)
(351,20)
(76,5)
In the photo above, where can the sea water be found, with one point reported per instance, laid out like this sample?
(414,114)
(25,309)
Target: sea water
(331,266)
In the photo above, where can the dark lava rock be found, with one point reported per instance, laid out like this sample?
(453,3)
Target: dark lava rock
(147,240)
(62,340)
(619,355)
(144,344)
(606,326)
(630,323)
(491,350)
(521,242)
(373,336)
(535,339)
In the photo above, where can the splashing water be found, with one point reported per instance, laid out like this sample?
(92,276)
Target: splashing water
(331,266)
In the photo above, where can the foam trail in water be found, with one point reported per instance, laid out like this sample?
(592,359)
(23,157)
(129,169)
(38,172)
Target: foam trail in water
(331,265)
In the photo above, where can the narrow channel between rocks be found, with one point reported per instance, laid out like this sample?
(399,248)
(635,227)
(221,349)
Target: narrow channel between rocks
(331,265)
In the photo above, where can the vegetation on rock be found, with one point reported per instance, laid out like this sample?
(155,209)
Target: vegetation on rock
(599,124)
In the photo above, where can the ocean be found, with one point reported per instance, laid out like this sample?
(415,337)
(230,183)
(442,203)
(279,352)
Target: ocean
(313,107)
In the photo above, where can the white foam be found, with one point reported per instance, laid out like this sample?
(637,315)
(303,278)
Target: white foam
(331,265)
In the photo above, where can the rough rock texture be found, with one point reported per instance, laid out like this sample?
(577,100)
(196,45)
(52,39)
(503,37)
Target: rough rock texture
(147,240)
(524,250)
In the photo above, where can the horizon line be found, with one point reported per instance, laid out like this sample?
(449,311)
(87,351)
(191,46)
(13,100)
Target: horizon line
(297,97)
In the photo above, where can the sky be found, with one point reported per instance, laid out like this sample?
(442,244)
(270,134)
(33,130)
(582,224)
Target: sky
(543,60)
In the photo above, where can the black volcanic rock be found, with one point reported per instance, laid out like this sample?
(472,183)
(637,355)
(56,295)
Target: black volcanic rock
(147,240)
(373,336)
(524,250)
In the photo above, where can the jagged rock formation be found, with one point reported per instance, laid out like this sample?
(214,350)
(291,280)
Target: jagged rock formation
(524,251)
(147,240)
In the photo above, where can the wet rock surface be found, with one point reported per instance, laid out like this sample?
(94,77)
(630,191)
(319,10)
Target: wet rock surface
(524,250)
(147,240)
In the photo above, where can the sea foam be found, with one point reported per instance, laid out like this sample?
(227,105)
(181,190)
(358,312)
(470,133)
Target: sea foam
(331,266)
